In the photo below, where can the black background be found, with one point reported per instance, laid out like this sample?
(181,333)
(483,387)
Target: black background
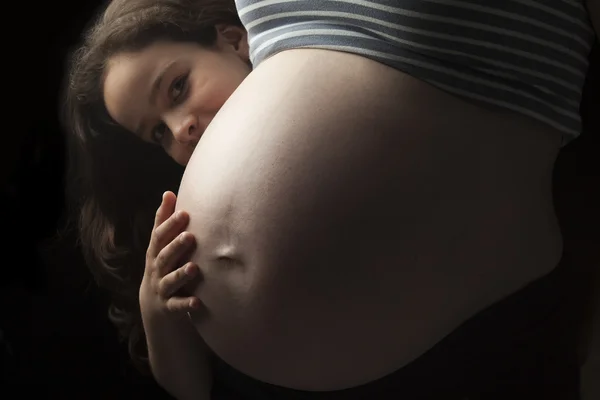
(57,340)
(56,335)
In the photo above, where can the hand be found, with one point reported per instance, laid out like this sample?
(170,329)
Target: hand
(165,278)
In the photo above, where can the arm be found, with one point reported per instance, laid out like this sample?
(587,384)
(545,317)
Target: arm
(179,359)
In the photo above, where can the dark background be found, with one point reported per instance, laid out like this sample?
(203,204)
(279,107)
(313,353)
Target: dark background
(55,333)
(57,340)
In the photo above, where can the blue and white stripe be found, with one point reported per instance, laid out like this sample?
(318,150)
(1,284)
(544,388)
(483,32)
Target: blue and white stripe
(529,56)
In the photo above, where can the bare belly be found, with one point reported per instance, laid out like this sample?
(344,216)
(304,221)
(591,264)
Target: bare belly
(350,216)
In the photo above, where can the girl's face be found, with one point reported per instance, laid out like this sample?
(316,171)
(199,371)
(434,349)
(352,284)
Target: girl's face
(169,92)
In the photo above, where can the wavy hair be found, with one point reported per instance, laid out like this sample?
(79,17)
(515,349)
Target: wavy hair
(114,180)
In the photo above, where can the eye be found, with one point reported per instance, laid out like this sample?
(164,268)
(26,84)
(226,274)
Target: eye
(178,87)
(176,91)
(158,133)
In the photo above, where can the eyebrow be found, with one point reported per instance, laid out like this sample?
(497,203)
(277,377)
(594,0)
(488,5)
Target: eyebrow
(154,94)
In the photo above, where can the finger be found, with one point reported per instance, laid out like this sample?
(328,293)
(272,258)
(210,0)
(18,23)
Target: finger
(167,232)
(176,280)
(183,304)
(166,208)
(173,253)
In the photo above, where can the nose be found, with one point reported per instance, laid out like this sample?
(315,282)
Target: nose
(185,128)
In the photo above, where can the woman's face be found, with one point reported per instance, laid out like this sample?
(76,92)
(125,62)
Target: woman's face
(169,92)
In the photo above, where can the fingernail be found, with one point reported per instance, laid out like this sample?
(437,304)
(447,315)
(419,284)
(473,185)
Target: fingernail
(185,238)
(190,270)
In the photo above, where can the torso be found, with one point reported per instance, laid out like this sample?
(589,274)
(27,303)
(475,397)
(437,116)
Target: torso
(414,209)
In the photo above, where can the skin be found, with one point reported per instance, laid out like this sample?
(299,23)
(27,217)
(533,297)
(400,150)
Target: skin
(309,94)
(178,356)
(262,258)
(195,84)
(331,209)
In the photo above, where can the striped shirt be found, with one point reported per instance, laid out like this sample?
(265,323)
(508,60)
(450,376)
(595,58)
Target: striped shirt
(528,56)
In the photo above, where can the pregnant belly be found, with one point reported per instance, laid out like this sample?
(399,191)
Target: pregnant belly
(349,216)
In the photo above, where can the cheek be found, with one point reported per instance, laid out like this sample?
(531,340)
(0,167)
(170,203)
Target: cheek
(208,96)
(220,92)
(179,153)
(229,81)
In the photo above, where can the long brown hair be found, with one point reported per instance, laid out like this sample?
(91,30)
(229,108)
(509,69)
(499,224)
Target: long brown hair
(115,181)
